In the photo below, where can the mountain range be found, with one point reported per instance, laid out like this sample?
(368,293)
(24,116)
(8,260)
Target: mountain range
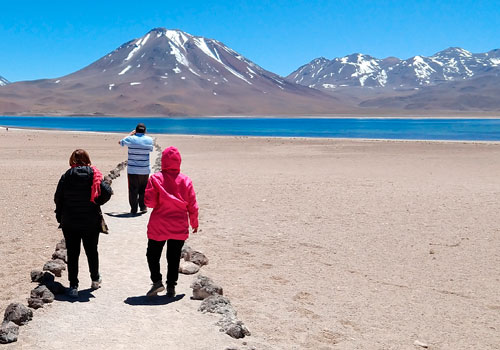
(167,72)
(450,81)
(172,73)
(452,64)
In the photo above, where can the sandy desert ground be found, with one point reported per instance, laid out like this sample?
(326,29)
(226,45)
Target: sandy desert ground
(319,244)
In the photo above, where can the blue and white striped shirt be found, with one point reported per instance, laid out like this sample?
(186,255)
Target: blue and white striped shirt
(139,146)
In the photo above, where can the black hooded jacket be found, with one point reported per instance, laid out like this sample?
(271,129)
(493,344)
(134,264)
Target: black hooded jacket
(74,210)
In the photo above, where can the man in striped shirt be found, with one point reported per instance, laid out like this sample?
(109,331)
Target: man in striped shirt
(138,169)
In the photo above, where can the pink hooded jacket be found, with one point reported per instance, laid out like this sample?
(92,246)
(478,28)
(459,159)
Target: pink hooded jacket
(171,195)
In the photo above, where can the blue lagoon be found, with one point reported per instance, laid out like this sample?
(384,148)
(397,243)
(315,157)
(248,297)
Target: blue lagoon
(366,128)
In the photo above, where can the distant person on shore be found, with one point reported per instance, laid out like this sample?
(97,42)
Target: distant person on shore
(79,195)
(172,197)
(138,168)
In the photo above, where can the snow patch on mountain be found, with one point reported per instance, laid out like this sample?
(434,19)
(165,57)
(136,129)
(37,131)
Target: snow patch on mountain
(178,55)
(178,37)
(423,70)
(192,71)
(495,61)
(138,45)
(125,70)
(202,45)
(3,81)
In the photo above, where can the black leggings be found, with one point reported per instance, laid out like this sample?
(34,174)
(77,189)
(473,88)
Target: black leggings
(174,248)
(90,241)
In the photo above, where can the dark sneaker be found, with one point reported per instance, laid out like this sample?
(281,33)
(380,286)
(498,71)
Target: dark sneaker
(73,292)
(143,211)
(155,289)
(170,292)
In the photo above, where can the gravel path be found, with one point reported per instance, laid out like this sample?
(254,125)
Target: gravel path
(119,315)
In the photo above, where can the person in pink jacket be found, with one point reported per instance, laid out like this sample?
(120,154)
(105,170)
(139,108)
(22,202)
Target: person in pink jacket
(172,197)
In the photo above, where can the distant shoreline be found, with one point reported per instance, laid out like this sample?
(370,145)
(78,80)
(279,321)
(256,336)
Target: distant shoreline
(343,139)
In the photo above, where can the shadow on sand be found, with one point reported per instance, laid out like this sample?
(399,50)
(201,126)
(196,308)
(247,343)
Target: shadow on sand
(83,296)
(124,215)
(158,300)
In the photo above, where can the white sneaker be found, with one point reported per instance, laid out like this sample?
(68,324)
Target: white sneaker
(73,292)
(96,284)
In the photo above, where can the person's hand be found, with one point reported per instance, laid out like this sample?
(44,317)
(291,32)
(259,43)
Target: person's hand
(132,133)
(195,229)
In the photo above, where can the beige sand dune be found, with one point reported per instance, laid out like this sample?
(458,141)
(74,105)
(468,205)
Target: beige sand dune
(319,244)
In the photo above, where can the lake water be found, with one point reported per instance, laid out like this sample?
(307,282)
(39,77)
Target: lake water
(369,128)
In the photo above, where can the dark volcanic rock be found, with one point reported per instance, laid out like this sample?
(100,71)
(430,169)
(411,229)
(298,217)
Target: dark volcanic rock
(61,254)
(61,245)
(203,287)
(55,266)
(217,304)
(9,332)
(36,276)
(49,281)
(35,303)
(229,323)
(108,179)
(17,313)
(233,327)
(185,251)
(196,257)
(43,293)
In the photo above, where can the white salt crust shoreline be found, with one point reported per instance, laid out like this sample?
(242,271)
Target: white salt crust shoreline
(263,137)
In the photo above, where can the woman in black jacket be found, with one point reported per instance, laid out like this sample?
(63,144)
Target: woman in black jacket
(79,195)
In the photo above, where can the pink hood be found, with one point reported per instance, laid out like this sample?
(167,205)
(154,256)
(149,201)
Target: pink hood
(171,159)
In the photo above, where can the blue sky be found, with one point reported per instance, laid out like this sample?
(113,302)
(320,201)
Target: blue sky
(48,39)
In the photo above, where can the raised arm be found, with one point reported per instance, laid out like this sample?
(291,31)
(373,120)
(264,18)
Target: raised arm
(126,140)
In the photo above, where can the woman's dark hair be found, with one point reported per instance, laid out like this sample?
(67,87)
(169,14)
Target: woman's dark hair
(80,157)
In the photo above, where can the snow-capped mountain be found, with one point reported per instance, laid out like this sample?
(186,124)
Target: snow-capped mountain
(3,81)
(171,72)
(176,57)
(452,64)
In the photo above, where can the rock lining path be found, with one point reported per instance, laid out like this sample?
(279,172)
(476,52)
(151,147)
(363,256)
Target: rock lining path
(119,315)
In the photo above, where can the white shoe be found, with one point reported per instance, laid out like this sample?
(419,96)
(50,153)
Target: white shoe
(96,284)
